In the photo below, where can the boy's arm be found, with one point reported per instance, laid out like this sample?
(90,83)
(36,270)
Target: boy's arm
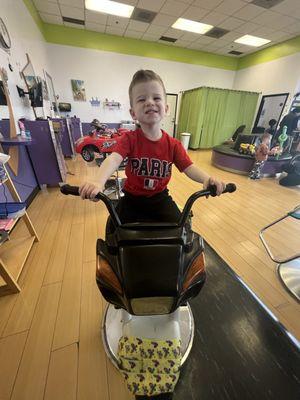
(197,175)
(108,167)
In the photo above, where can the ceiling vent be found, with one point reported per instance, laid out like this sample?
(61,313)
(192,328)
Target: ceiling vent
(168,39)
(143,15)
(216,33)
(266,3)
(235,53)
(73,20)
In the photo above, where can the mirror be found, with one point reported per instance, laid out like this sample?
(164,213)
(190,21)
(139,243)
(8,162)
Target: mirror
(51,94)
(34,85)
(271,107)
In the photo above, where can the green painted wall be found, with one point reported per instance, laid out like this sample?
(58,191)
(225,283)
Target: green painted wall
(279,50)
(93,40)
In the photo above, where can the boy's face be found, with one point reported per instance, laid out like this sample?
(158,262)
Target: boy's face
(148,103)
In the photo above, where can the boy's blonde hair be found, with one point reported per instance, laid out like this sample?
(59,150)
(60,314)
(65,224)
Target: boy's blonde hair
(144,75)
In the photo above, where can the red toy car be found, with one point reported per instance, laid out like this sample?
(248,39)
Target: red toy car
(100,140)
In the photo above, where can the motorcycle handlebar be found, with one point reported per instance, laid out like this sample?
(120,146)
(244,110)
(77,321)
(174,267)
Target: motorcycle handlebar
(210,191)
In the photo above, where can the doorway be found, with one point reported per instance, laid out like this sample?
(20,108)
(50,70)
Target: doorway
(169,122)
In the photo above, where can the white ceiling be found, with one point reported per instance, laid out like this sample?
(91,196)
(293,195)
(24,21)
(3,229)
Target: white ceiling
(240,17)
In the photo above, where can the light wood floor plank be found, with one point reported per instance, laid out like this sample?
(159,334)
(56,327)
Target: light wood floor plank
(56,266)
(92,374)
(67,324)
(11,349)
(32,374)
(62,375)
(90,231)
(22,313)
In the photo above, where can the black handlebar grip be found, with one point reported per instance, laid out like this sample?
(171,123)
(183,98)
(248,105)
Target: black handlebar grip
(230,188)
(68,189)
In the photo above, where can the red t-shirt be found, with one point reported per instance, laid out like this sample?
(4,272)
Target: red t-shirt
(150,162)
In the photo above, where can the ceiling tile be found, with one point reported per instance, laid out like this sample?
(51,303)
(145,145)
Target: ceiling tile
(196,46)
(214,18)
(294,28)
(175,8)
(266,17)
(287,7)
(133,34)
(153,5)
(47,7)
(174,33)
(231,36)
(205,40)
(221,42)
(152,38)
(181,43)
(264,32)
(209,4)
(118,22)
(72,12)
(51,19)
(231,23)
(282,21)
(91,26)
(249,12)
(211,47)
(276,35)
(229,7)
(164,20)
(96,17)
(71,25)
(195,13)
(74,3)
(190,36)
(112,30)
(138,26)
(248,27)
(244,48)
(156,29)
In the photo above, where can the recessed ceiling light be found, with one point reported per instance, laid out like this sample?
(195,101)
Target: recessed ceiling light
(191,26)
(109,7)
(250,40)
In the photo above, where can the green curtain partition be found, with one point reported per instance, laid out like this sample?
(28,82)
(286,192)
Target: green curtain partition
(212,115)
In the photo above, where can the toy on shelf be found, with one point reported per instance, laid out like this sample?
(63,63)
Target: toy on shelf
(111,105)
(246,148)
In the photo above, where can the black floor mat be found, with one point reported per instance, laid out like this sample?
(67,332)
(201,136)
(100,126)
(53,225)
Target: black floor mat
(240,352)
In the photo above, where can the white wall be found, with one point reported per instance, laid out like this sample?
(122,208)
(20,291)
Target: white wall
(25,38)
(278,76)
(108,75)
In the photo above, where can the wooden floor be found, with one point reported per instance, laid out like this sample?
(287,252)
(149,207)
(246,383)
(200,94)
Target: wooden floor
(50,345)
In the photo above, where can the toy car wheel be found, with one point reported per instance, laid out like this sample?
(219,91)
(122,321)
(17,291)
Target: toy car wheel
(87,154)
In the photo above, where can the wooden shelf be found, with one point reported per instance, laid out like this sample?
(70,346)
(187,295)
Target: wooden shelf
(13,254)
(14,251)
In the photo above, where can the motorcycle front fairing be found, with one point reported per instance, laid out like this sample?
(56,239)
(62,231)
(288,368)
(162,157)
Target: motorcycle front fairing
(150,269)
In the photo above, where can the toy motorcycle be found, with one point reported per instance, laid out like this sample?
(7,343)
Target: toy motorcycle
(148,272)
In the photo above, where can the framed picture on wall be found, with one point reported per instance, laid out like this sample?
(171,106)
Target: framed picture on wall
(78,90)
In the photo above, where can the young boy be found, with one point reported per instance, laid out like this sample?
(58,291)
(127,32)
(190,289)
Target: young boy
(261,156)
(151,153)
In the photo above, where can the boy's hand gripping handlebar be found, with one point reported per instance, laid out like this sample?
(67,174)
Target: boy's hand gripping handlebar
(210,191)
